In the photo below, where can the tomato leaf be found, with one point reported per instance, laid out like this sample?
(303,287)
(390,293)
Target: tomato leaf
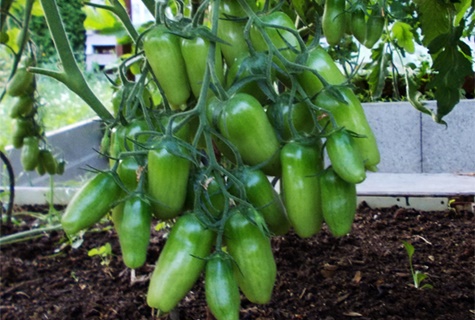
(409,248)
(379,70)
(434,18)
(404,36)
(461,8)
(451,65)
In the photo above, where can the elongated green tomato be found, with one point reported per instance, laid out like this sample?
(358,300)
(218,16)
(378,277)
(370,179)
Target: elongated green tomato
(168,171)
(374,27)
(195,55)
(128,171)
(244,123)
(288,118)
(251,249)
(283,40)
(351,116)
(22,106)
(333,21)
(358,24)
(345,157)
(221,288)
(265,199)
(231,29)
(48,161)
(90,203)
(320,61)
(22,127)
(40,168)
(21,83)
(301,166)
(180,263)
(132,224)
(30,153)
(214,108)
(162,50)
(338,202)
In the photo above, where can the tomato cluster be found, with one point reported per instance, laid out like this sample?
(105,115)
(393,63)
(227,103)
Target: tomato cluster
(246,102)
(27,132)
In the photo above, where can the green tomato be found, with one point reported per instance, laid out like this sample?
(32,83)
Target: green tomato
(168,172)
(374,27)
(30,153)
(283,40)
(23,106)
(180,263)
(320,61)
(265,199)
(48,161)
(90,203)
(349,114)
(21,83)
(333,21)
(338,202)
(232,31)
(358,24)
(290,119)
(128,171)
(221,288)
(162,50)
(195,55)
(244,123)
(132,220)
(22,127)
(251,250)
(301,166)
(345,157)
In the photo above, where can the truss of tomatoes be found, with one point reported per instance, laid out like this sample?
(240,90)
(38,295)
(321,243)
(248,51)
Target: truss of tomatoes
(211,171)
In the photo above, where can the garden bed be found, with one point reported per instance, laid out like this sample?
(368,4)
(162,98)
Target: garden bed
(364,275)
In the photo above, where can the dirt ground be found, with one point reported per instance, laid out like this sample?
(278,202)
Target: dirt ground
(364,275)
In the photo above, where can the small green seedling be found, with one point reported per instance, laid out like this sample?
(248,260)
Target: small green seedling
(105,252)
(417,276)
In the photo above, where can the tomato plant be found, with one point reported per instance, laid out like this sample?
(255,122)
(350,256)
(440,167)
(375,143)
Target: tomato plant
(216,104)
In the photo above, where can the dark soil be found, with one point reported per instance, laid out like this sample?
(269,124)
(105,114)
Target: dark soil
(364,275)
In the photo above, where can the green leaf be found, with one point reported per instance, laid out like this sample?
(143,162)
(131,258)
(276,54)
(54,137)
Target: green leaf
(451,66)
(403,34)
(379,71)
(434,17)
(99,19)
(418,278)
(93,252)
(409,249)
(102,251)
(461,8)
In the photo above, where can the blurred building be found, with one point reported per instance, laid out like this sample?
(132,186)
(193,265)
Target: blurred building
(103,50)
